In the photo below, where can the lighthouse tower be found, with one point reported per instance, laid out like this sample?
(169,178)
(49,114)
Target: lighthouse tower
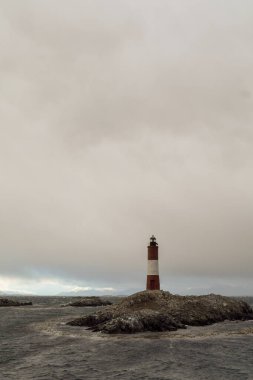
(153,281)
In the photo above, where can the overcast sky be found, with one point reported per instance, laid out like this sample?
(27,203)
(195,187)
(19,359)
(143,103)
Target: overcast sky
(118,120)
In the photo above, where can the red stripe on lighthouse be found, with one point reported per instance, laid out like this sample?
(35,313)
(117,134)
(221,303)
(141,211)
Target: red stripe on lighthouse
(153,281)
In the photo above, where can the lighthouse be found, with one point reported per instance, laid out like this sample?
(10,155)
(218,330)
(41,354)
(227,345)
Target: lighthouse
(153,281)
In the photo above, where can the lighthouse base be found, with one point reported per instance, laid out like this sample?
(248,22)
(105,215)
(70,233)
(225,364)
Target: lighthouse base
(153,282)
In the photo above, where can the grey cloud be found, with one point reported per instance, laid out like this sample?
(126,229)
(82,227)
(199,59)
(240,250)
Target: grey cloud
(120,119)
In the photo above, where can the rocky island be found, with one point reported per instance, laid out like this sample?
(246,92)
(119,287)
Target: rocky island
(159,310)
(90,301)
(7,302)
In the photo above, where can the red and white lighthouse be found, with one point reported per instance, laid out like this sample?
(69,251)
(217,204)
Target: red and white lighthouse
(153,281)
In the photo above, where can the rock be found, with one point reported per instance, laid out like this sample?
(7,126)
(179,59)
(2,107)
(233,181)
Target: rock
(7,302)
(90,301)
(162,311)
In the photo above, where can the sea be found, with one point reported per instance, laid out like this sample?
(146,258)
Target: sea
(36,343)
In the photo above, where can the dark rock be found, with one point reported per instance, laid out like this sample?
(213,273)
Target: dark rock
(90,301)
(7,302)
(161,311)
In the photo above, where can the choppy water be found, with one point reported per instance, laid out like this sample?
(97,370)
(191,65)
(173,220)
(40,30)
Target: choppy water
(36,344)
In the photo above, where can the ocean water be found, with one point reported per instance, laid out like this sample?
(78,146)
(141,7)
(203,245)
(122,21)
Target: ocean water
(35,343)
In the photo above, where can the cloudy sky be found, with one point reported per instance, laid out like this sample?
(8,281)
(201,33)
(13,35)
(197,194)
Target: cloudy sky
(121,119)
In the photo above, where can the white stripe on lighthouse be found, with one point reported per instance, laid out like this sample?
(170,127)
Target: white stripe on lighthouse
(153,267)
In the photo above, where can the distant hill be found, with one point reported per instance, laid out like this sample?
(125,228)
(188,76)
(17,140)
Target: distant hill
(80,293)
(85,293)
(12,293)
